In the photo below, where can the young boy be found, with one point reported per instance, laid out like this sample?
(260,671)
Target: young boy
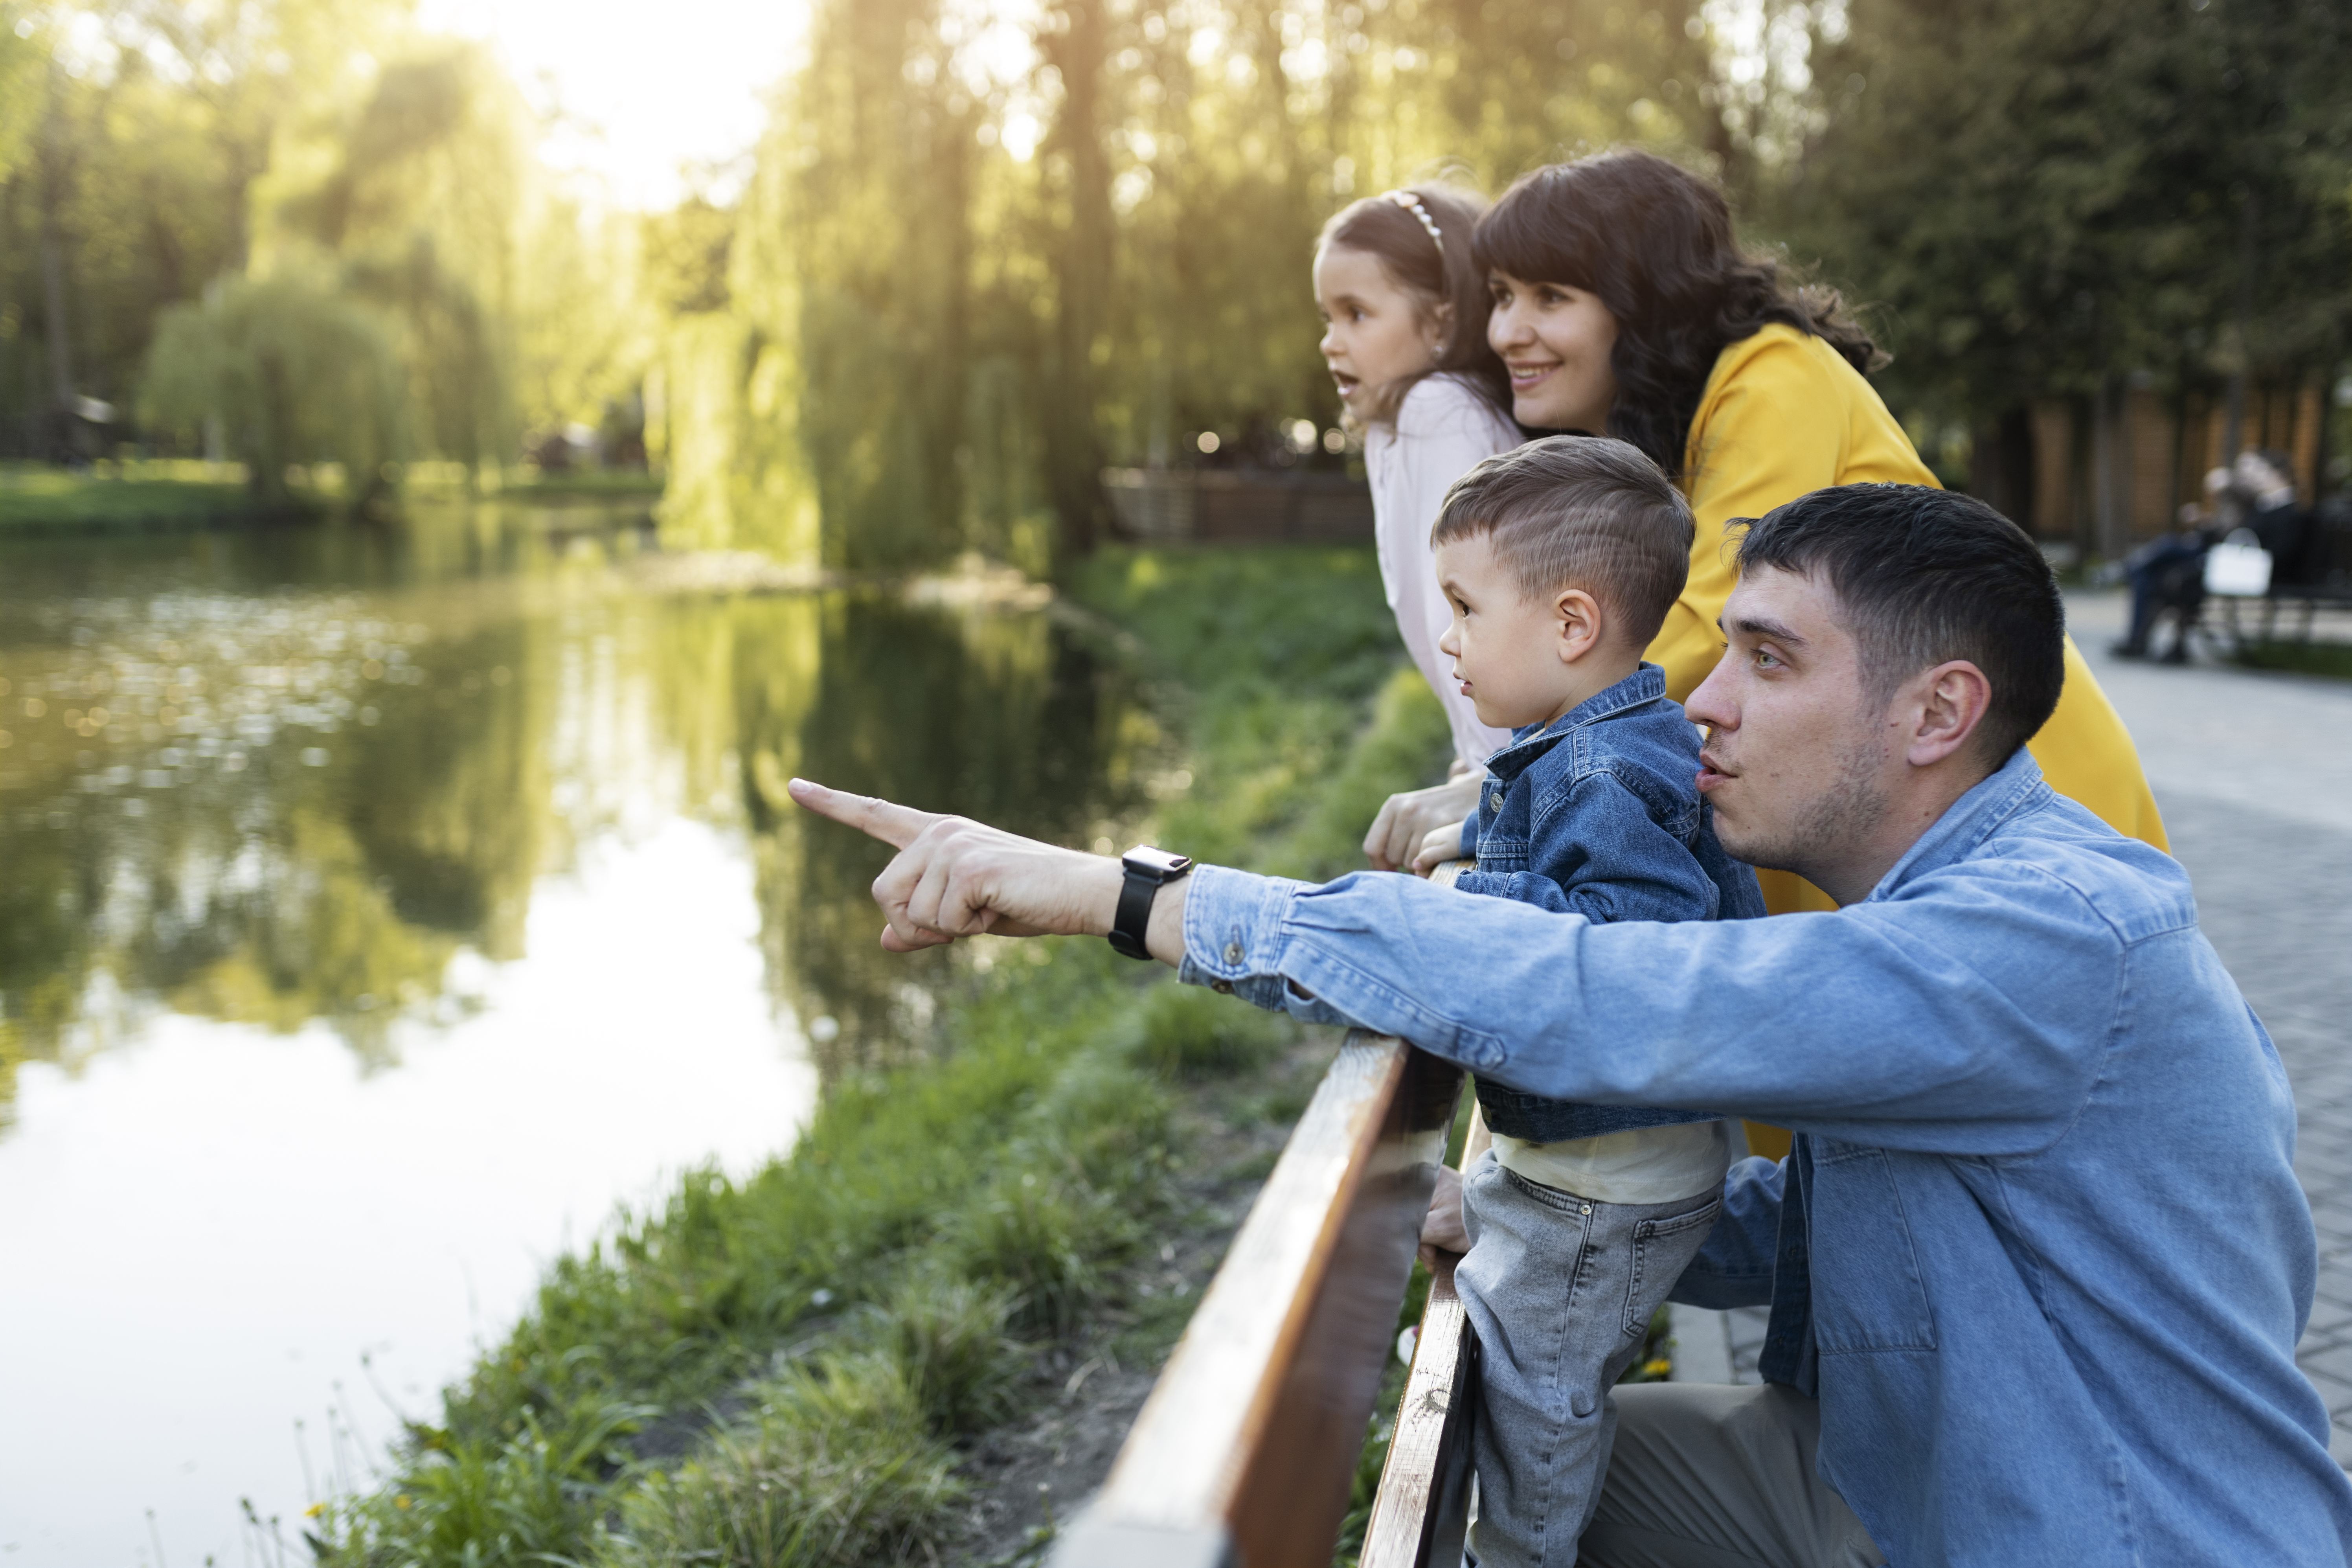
(1561,559)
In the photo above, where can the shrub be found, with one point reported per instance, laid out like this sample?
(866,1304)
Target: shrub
(947,1338)
(835,1468)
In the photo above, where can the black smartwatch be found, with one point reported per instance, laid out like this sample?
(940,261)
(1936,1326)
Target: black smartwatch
(1148,870)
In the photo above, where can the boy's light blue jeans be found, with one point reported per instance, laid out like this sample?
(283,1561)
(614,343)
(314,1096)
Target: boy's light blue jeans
(1560,1289)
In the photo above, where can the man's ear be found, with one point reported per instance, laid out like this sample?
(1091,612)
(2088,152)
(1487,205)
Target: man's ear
(1583,622)
(1952,699)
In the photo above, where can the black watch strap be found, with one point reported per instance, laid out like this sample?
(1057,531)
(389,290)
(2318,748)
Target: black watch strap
(1148,871)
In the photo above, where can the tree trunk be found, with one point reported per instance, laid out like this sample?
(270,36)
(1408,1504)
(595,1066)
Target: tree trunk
(2111,465)
(54,174)
(1074,44)
(2001,468)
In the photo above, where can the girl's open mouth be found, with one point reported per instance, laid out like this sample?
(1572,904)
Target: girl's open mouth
(1527,375)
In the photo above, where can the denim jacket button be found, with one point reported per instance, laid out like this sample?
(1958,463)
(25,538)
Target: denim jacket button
(1221,987)
(1232,952)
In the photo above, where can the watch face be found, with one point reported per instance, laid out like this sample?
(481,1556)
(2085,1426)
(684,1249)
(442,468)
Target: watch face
(1155,862)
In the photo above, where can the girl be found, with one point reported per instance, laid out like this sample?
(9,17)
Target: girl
(1404,313)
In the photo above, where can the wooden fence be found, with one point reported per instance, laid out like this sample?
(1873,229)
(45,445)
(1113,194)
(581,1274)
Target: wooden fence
(1238,506)
(1245,1453)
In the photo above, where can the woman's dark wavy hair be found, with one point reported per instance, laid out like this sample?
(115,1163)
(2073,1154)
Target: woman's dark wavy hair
(1655,241)
(1430,270)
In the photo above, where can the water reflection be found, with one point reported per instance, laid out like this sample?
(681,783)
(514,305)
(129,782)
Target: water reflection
(271,803)
(378,908)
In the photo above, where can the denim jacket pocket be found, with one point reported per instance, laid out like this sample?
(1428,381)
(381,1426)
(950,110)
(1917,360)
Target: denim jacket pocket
(1659,1245)
(1872,1298)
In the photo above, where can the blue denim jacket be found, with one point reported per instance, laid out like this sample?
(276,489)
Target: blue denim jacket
(1599,814)
(2040,1251)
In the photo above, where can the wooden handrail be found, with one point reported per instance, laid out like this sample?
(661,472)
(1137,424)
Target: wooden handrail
(1245,1452)
(1422,1512)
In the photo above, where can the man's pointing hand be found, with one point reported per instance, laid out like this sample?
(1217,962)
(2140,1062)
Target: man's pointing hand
(955,878)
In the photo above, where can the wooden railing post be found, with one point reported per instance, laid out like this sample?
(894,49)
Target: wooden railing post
(1422,1512)
(1246,1450)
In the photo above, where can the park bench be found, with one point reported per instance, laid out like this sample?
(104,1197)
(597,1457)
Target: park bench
(1245,1453)
(2318,582)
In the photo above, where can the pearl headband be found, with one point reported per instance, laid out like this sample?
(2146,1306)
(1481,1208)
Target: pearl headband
(1411,204)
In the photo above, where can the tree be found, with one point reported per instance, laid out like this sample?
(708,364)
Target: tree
(293,370)
(2049,197)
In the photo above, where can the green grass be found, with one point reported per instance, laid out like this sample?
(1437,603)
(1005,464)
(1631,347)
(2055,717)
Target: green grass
(141,495)
(2329,658)
(119,495)
(585,482)
(820,1337)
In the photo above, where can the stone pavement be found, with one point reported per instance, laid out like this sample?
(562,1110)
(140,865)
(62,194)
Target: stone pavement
(2254,777)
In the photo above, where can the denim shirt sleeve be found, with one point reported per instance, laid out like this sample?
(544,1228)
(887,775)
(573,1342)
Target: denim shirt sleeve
(1970,1013)
(1603,856)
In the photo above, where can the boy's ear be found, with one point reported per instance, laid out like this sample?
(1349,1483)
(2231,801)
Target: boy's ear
(1583,622)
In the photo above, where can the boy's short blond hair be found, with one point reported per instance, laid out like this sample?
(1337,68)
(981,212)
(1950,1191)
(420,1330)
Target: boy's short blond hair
(1579,511)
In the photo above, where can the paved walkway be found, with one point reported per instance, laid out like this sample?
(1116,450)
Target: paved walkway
(2254,777)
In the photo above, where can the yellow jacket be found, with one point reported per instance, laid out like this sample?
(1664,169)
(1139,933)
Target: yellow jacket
(1784,414)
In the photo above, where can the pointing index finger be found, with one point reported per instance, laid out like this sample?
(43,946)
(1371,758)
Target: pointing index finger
(896,825)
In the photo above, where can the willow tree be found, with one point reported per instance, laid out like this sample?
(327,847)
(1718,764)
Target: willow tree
(427,201)
(878,204)
(288,370)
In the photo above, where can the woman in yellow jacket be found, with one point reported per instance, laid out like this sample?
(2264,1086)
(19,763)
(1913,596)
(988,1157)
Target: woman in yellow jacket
(1622,304)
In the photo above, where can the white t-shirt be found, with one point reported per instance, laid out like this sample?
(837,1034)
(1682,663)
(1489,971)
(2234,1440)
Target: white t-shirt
(1638,1165)
(1443,430)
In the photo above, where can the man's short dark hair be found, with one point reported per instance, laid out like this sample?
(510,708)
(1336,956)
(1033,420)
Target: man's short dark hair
(1579,511)
(1924,577)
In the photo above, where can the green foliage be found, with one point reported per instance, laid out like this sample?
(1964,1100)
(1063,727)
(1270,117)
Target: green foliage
(1184,1032)
(1045,1241)
(22,66)
(52,497)
(836,1468)
(498,1503)
(947,1335)
(1285,648)
(293,370)
(2045,195)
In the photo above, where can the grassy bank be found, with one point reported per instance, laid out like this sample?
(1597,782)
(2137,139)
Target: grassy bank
(814,1366)
(151,495)
(119,498)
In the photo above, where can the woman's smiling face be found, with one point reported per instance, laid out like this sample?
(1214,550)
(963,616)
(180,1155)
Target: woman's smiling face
(1556,341)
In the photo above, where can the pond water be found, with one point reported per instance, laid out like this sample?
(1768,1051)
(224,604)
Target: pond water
(379,909)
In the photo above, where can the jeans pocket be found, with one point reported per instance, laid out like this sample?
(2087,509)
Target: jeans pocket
(1663,1248)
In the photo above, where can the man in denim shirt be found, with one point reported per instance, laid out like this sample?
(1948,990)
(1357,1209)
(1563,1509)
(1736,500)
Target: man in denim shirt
(2038,1260)
(1559,560)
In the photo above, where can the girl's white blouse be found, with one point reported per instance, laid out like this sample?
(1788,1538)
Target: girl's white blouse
(1441,429)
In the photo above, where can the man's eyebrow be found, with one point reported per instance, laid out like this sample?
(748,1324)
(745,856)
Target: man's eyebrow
(1771,631)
